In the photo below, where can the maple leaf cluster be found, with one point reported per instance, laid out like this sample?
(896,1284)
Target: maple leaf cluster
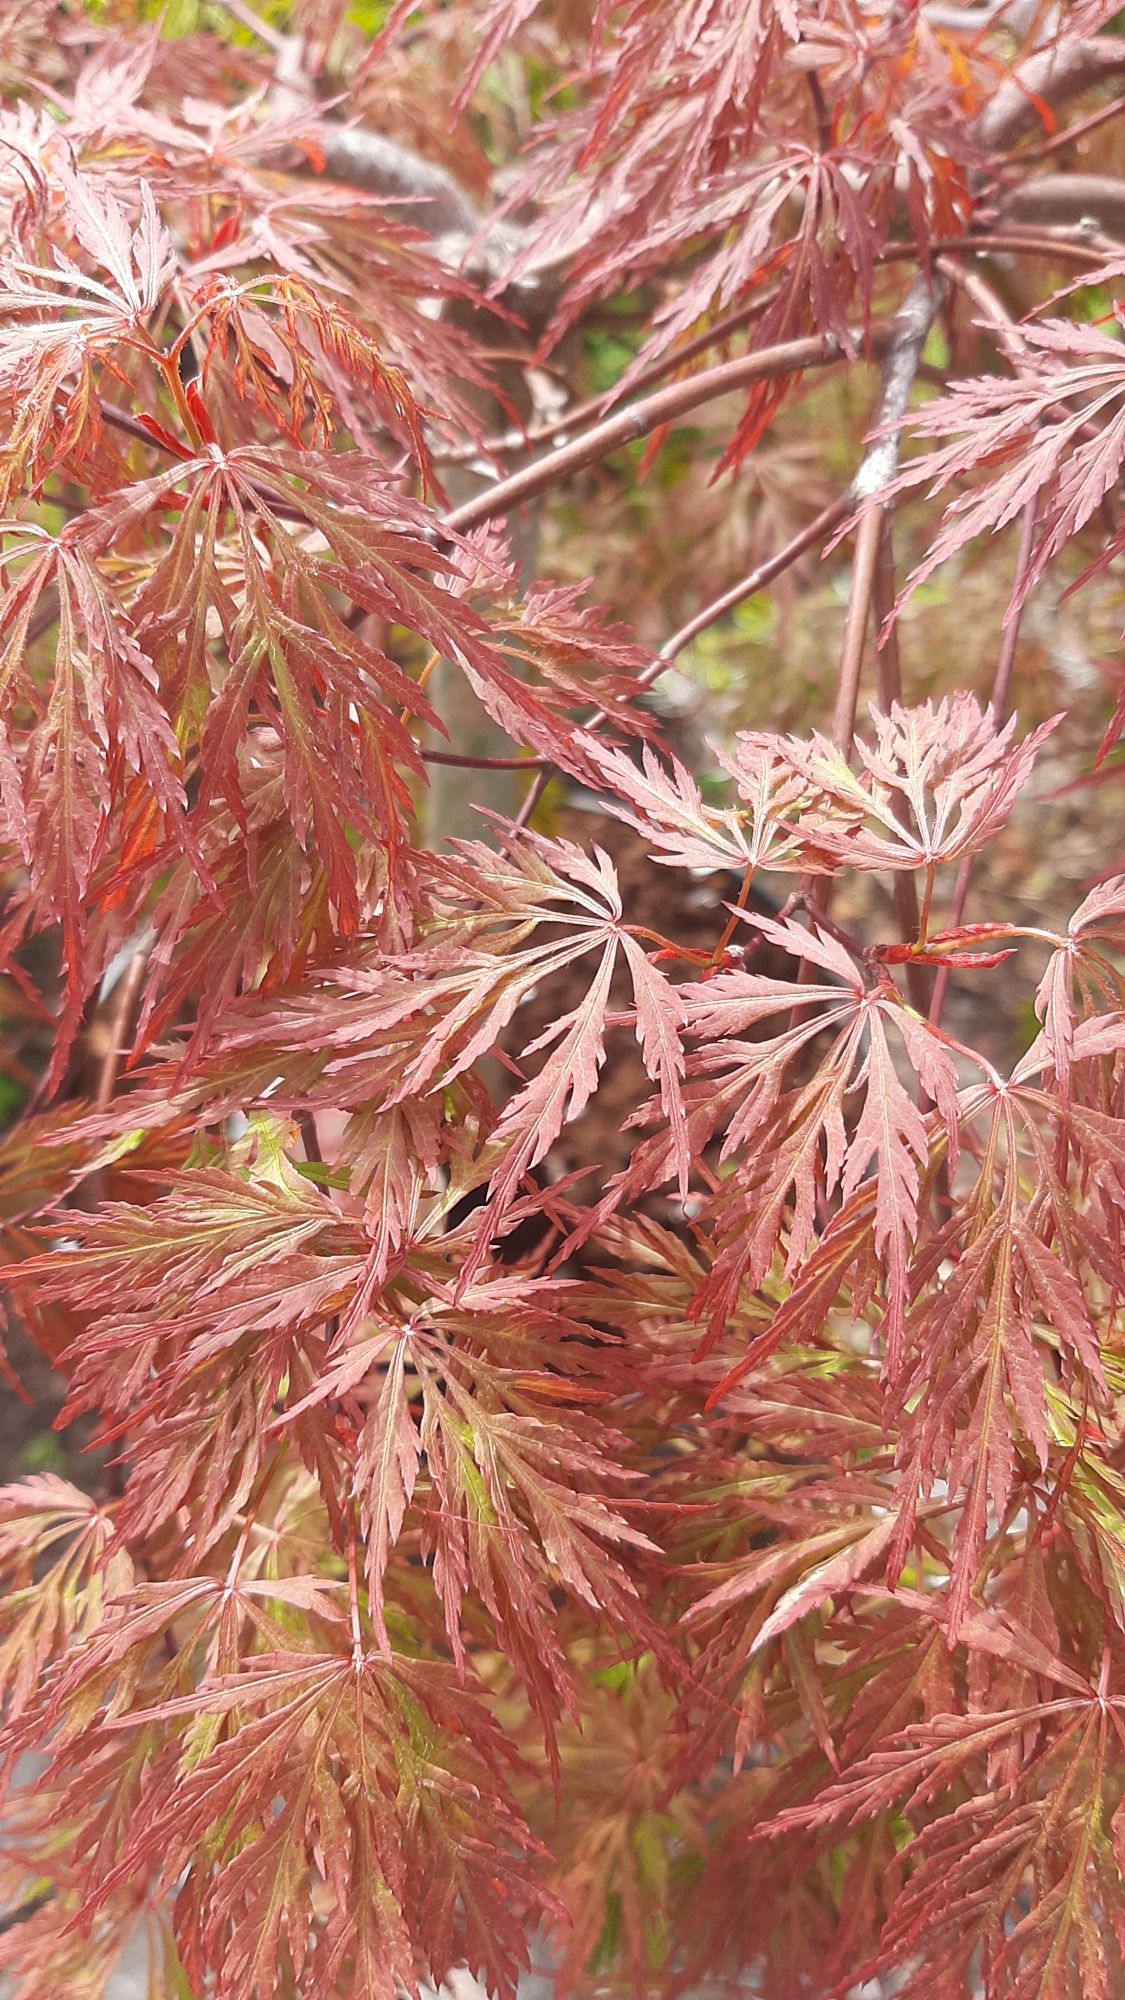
(702,1565)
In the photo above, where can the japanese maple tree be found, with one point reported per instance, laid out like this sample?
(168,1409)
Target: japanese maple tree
(702,1567)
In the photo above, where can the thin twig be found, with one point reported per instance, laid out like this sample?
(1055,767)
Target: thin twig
(461,761)
(1071,133)
(997,705)
(598,406)
(880,462)
(909,334)
(121,420)
(1067,247)
(46,614)
(306,1123)
(888,662)
(1005,666)
(855,626)
(1071,247)
(888,688)
(988,303)
(747,586)
(120,1020)
(24,1911)
(246,18)
(904,352)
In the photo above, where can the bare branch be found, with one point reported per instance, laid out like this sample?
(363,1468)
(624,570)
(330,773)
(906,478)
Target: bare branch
(424,194)
(748,586)
(998,703)
(639,419)
(461,761)
(855,626)
(1070,134)
(1050,77)
(117,1023)
(247,18)
(666,364)
(757,579)
(888,688)
(1078,199)
(908,336)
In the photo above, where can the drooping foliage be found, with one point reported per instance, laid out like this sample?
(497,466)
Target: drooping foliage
(703,1564)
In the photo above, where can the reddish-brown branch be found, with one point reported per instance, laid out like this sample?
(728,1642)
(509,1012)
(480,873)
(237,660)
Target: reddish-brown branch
(1047,78)
(1069,248)
(120,420)
(463,762)
(888,661)
(855,627)
(1072,133)
(638,420)
(801,900)
(748,586)
(1068,198)
(903,352)
(1066,247)
(1005,666)
(888,687)
(998,703)
(755,580)
(117,1027)
(597,406)
(981,295)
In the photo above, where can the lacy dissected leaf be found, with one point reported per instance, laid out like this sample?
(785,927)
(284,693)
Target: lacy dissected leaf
(1001,1288)
(58,1571)
(141,693)
(1053,434)
(576,651)
(98,728)
(936,784)
(793,1140)
(325,305)
(825,1567)
(481,1433)
(383,558)
(267,351)
(697,131)
(472,1411)
(525,1479)
(61,318)
(337,1780)
(271,912)
(795,1529)
(665,804)
(1084,976)
(218,1286)
(1054,1822)
(624,1866)
(503,926)
(289,662)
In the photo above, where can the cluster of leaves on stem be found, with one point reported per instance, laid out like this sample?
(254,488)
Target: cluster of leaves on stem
(707,1568)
